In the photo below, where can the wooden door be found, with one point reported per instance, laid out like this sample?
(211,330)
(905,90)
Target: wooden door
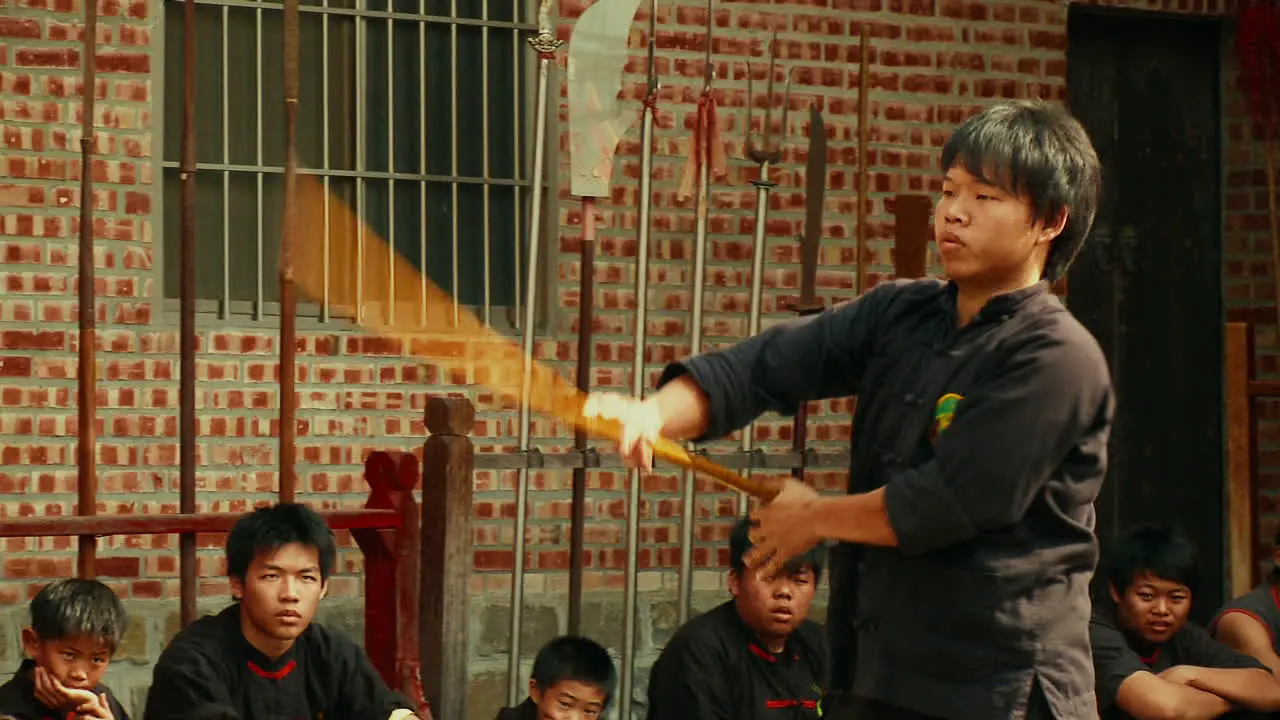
(1147,282)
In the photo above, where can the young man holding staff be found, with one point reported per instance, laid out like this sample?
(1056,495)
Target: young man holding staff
(966,543)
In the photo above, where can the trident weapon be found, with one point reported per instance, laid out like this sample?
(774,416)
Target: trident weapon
(766,154)
(810,244)
(545,44)
(706,155)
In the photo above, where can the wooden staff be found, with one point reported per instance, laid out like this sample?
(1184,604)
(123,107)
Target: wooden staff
(288,237)
(187,310)
(87,372)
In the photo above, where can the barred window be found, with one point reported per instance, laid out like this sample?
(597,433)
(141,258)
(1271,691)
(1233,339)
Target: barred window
(413,112)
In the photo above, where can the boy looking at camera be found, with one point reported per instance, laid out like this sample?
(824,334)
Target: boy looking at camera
(76,627)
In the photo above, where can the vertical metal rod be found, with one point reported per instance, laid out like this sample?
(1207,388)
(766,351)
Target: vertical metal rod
(288,297)
(484,153)
(545,44)
(361,72)
(637,367)
(864,130)
(87,477)
(757,290)
(391,168)
(422,164)
(324,144)
(455,290)
(187,332)
(516,174)
(259,296)
(688,494)
(586,303)
(225,310)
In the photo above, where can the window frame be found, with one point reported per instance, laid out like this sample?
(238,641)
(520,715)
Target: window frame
(506,319)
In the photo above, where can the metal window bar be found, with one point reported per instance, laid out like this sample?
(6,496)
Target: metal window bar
(251,173)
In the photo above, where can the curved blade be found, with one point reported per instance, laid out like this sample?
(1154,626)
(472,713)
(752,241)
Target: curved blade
(597,55)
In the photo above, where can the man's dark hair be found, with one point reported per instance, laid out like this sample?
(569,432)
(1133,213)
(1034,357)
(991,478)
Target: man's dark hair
(1163,552)
(578,659)
(76,607)
(1037,150)
(740,543)
(270,528)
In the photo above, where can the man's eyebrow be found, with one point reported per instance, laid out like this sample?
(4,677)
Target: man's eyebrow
(279,568)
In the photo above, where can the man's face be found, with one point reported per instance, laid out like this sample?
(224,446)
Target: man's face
(77,662)
(773,607)
(985,235)
(280,592)
(1153,608)
(568,700)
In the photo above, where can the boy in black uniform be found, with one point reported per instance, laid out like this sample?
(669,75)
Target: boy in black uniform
(573,679)
(1251,622)
(1152,664)
(262,658)
(754,657)
(76,626)
(960,587)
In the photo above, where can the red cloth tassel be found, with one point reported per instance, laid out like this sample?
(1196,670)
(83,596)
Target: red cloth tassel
(705,147)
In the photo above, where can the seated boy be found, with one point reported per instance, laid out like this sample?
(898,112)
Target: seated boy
(573,677)
(751,656)
(262,658)
(1149,662)
(1251,622)
(76,626)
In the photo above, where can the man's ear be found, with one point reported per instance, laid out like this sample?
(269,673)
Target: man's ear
(1115,594)
(30,641)
(237,588)
(735,583)
(324,589)
(1052,229)
(534,693)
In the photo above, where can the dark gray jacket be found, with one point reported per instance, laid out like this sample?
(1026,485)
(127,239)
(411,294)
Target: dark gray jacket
(991,444)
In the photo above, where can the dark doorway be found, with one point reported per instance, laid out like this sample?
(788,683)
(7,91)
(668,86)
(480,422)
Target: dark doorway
(1148,282)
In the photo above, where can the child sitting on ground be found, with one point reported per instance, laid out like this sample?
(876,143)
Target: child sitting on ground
(573,677)
(76,627)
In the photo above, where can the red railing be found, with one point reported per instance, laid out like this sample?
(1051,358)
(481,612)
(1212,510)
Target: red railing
(387,530)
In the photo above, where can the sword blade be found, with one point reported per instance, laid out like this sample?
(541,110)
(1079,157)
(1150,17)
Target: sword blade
(815,192)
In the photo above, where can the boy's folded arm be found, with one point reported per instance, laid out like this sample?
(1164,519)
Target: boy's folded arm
(1249,688)
(1146,696)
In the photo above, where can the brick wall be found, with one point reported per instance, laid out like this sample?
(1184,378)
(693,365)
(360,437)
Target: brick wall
(934,62)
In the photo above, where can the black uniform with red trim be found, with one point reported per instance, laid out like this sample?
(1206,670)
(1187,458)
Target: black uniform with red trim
(1262,604)
(210,667)
(714,669)
(1115,658)
(18,698)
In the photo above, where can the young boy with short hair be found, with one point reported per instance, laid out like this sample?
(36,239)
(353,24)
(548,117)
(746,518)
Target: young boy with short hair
(756,656)
(264,658)
(76,627)
(1150,663)
(573,679)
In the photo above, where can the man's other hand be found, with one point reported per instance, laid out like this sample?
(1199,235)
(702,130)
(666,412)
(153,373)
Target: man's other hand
(641,423)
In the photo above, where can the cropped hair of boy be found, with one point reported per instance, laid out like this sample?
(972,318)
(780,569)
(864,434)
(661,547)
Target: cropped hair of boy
(1163,552)
(740,543)
(571,658)
(74,608)
(1037,150)
(269,528)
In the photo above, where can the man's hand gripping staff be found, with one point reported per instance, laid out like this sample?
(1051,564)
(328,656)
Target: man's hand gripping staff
(638,426)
